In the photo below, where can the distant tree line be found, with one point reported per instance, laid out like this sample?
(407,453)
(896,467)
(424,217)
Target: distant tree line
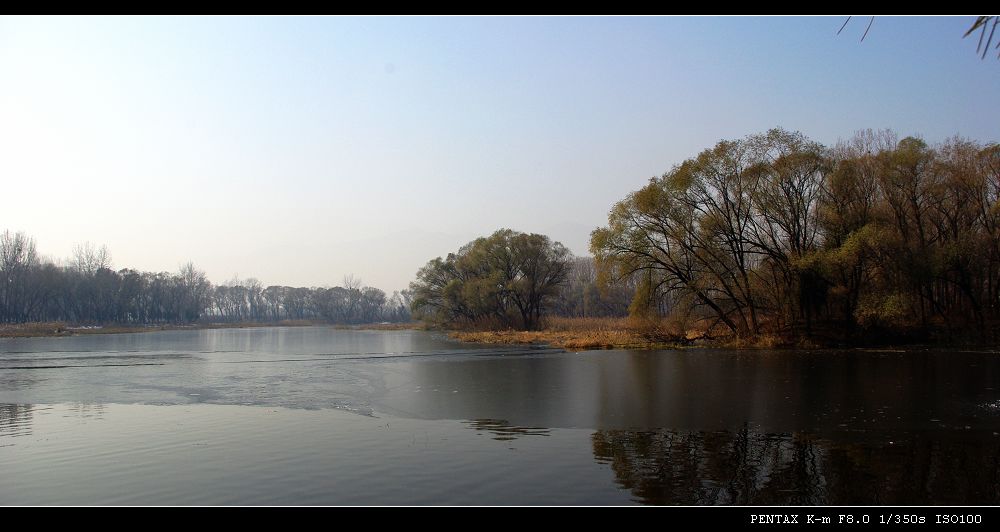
(775,232)
(248,300)
(87,290)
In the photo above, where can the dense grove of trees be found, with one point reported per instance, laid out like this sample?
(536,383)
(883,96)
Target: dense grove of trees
(88,290)
(506,280)
(775,232)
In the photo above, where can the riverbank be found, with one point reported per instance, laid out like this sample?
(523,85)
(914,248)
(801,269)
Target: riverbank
(572,334)
(53,329)
(577,334)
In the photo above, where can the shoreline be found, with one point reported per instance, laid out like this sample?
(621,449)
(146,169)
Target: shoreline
(584,342)
(569,336)
(60,329)
(569,340)
(579,334)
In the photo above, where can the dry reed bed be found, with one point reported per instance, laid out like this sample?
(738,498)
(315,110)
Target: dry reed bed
(580,333)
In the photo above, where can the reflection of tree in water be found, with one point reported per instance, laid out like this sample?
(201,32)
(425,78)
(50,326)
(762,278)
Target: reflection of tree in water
(15,420)
(671,467)
(502,429)
(748,467)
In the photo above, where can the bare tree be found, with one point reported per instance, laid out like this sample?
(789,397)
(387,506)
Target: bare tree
(87,259)
(17,259)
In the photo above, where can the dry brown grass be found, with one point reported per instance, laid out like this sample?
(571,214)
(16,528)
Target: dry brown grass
(582,333)
(408,326)
(23,330)
(624,333)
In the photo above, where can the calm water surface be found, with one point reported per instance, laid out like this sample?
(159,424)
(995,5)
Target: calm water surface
(314,415)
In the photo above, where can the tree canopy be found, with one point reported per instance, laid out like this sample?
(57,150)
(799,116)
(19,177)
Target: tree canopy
(504,280)
(774,231)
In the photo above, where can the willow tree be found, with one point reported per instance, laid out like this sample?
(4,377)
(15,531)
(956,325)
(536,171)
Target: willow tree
(505,280)
(732,230)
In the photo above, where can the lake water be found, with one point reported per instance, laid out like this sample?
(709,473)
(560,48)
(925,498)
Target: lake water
(319,416)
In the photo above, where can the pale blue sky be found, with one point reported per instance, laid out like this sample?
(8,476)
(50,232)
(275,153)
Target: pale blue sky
(298,150)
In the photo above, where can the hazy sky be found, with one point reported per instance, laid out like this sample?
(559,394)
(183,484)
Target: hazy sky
(298,150)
